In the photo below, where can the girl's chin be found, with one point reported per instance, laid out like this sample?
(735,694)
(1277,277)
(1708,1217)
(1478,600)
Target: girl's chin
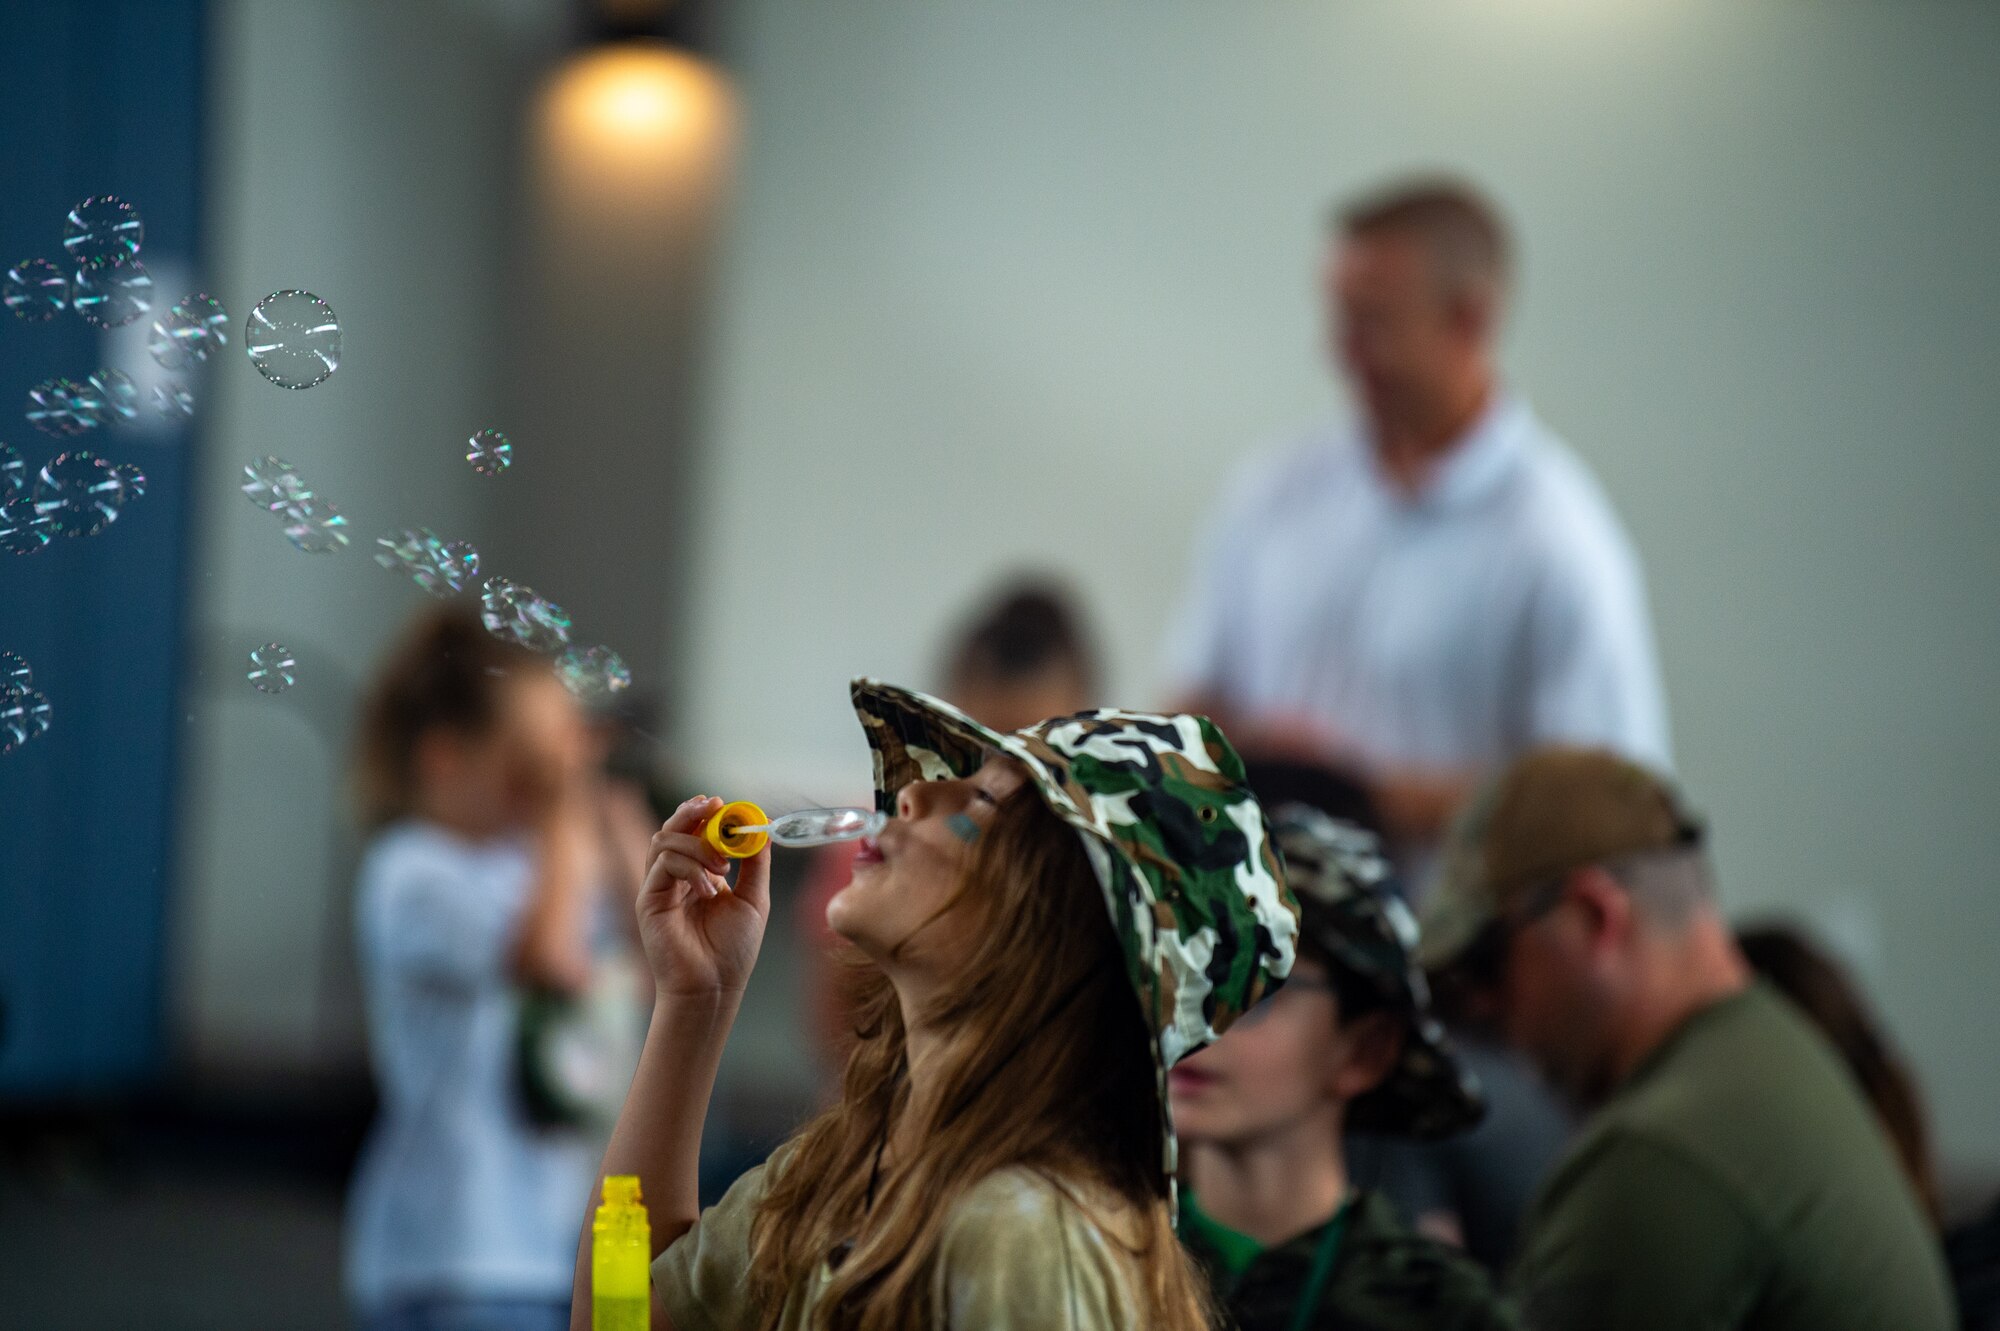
(847,915)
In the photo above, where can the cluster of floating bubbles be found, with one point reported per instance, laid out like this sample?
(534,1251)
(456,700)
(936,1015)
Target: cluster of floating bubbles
(440,567)
(107,285)
(271,668)
(310,522)
(24,710)
(515,612)
(293,339)
(593,674)
(104,281)
(65,408)
(490,452)
(76,493)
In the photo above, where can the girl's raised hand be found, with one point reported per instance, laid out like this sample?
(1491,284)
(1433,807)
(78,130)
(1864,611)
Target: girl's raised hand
(700,935)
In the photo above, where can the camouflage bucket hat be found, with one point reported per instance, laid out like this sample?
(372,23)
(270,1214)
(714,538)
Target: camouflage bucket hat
(1182,852)
(1340,877)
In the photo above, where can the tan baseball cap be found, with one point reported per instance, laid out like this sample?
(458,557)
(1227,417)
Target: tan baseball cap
(1552,810)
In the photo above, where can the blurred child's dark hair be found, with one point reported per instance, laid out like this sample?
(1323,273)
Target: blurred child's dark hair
(446,672)
(1338,794)
(1029,626)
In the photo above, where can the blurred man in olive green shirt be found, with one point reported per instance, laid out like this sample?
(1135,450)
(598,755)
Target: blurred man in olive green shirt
(1730,1175)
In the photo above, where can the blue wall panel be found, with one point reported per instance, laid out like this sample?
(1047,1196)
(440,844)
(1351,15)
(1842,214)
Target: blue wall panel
(95,97)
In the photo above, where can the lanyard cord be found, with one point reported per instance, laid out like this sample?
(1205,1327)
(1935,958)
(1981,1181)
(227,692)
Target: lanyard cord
(1322,1267)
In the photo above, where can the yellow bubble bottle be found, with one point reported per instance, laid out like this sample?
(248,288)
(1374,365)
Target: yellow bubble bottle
(621,1259)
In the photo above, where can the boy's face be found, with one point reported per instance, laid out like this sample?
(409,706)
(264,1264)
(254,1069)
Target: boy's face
(1288,1060)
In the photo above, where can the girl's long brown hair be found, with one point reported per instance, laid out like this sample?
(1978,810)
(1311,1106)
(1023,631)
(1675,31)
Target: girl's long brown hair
(1049,1067)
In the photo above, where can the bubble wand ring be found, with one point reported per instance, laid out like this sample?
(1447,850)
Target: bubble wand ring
(738,830)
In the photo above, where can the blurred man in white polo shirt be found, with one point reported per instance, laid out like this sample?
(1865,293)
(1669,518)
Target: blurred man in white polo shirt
(1416,598)
(1429,591)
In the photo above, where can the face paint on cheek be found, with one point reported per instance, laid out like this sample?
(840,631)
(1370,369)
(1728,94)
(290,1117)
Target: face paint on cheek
(963,828)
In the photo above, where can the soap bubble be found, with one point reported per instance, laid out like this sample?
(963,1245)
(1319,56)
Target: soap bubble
(489,452)
(103,232)
(112,297)
(115,393)
(35,290)
(293,339)
(272,484)
(13,473)
(15,677)
(131,478)
(196,326)
(271,668)
(440,567)
(311,523)
(23,716)
(513,612)
(315,526)
(172,399)
(455,564)
(63,407)
(80,493)
(24,528)
(593,674)
(85,400)
(48,409)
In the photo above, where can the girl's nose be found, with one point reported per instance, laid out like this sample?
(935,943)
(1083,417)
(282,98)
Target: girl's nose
(914,799)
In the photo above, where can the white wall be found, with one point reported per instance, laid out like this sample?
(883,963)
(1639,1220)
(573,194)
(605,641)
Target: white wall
(364,152)
(1019,283)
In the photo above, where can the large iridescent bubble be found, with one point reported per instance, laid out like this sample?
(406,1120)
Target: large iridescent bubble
(293,339)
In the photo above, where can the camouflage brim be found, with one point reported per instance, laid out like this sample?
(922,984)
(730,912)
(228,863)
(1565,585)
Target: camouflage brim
(1181,850)
(1338,873)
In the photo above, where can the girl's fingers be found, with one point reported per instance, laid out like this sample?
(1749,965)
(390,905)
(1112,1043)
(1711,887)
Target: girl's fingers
(663,875)
(688,847)
(690,816)
(672,865)
(753,884)
(678,854)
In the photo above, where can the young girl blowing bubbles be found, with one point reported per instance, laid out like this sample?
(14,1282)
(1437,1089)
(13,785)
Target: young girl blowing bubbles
(1050,919)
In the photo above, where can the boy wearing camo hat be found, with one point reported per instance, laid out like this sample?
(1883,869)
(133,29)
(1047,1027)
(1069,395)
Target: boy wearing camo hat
(1349,1042)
